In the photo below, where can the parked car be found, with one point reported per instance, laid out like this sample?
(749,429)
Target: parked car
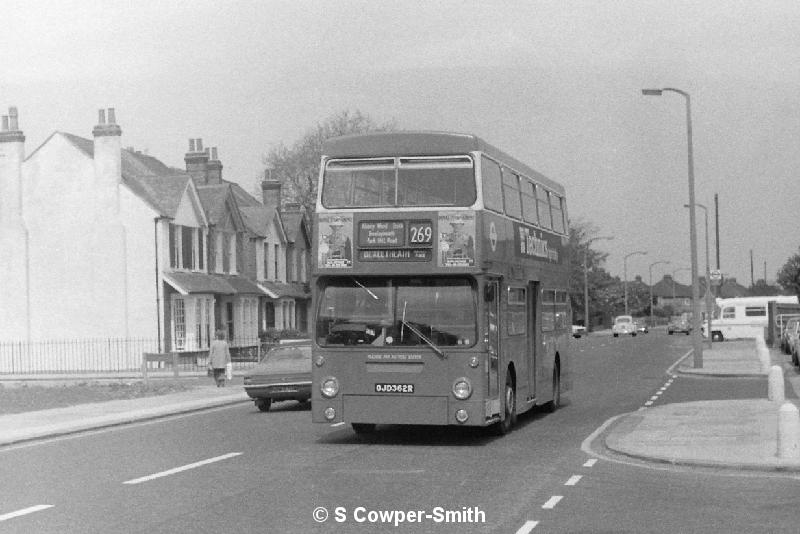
(623,324)
(284,373)
(679,325)
(793,343)
(641,327)
(578,330)
(790,326)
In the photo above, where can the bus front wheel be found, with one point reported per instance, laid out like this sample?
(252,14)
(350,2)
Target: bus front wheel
(716,336)
(509,408)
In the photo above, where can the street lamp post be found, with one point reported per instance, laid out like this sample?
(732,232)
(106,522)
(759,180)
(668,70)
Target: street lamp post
(651,288)
(697,342)
(625,275)
(708,277)
(586,321)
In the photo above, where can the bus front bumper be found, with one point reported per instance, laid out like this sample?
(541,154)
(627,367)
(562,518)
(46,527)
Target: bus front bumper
(399,410)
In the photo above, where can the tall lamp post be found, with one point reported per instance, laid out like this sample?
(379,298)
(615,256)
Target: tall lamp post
(708,277)
(625,275)
(651,287)
(697,341)
(586,322)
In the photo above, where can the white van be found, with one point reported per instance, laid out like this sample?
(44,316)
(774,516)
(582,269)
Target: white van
(743,317)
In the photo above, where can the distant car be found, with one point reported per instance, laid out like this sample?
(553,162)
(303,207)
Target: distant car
(284,373)
(623,324)
(578,330)
(679,326)
(641,327)
(791,325)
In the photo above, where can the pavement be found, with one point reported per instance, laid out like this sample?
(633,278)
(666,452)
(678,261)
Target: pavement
(738,434)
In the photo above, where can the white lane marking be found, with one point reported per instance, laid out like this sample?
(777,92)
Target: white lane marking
(527,527)
(648,403)
(182,468)
(674,365)
(590,462)
(25,511)
(574,479)
(552,502)
(654,398)
(591,437)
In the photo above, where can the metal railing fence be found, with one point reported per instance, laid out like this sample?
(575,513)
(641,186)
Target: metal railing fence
(113,355)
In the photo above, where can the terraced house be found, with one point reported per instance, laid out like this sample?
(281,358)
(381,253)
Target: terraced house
(107,246)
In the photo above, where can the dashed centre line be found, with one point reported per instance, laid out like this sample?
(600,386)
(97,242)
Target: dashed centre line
(25,511)
(181,468)
(527,527)
(574,479)
(590,462)
(552,502)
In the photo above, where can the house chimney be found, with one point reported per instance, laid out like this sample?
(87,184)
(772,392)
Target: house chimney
(197,162)
(271,191)
(12,154)
(107,160)
(214,168)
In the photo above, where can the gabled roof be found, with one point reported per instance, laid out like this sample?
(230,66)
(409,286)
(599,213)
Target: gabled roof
(218,201)
(664,288)
(160,186)
(257,220)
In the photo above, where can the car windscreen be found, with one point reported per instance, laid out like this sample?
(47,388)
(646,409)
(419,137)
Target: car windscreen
(282,354)
(397,311)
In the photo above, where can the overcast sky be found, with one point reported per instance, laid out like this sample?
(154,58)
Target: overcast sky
(556,84)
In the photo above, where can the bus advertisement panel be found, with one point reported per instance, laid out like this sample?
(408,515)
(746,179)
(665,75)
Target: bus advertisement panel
(429,308)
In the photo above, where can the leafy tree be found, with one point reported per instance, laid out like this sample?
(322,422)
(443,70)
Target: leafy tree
(580,246)
(297,167)
(789,275)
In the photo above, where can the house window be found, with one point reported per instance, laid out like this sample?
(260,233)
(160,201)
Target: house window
(229,319)
(201,237)
(275,261)
(226,253)
(290,273)
(187,238)
(179,323)
(266,261)
(174,246)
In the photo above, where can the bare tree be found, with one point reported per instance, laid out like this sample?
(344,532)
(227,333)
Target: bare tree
(297,167)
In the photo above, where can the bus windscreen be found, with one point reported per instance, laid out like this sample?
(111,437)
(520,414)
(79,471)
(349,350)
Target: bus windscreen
(399,182)
(397,311)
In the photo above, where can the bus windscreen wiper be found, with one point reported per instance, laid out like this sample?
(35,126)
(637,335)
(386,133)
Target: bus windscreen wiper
(365,288)
(427,341)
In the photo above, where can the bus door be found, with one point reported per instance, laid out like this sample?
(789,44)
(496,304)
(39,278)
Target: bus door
(492,328)
(533,337)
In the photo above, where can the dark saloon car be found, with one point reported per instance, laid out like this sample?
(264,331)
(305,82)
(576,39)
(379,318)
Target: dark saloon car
(284,373)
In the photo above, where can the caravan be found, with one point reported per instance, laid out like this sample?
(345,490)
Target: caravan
(743,317)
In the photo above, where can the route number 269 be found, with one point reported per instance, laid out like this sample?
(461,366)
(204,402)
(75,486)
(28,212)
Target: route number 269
(421,233)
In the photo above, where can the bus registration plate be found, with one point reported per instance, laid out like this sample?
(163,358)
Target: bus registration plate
(394,388)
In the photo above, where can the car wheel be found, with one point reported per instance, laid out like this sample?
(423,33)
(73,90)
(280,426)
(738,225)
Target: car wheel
(633,334)
(363,428)
(263,404)
(717,336)
(616,335)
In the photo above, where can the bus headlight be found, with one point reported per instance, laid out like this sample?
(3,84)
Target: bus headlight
(329,387)
(474,362)
(320,361)
(329,413)
(462,388)
(462,416)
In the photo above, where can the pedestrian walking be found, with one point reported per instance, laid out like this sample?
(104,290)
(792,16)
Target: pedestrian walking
(219,357)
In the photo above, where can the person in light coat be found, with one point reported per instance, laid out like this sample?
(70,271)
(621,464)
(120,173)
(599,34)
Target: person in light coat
(219,356)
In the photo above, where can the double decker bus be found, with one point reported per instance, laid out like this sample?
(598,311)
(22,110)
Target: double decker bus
(439,284)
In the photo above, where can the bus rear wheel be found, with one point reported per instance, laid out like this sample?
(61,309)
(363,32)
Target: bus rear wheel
(554,404)
(363,428)
(509,408)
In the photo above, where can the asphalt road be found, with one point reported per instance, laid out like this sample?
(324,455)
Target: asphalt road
(238,470)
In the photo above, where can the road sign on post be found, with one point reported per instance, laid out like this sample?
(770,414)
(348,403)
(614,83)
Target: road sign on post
(715,277)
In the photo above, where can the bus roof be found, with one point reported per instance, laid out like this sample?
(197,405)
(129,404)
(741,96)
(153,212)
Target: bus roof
(425,143)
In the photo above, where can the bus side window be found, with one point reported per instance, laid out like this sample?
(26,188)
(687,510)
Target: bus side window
(492,185)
